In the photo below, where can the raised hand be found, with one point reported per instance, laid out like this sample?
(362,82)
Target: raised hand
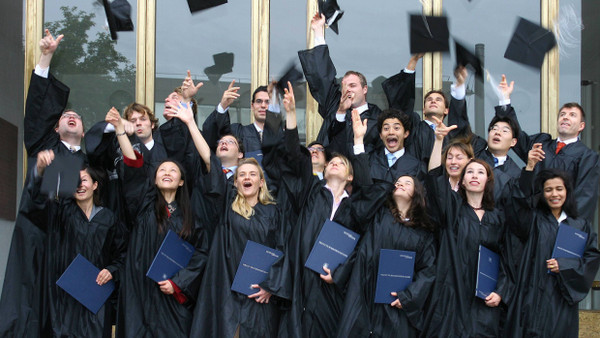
(289,102)
(44,158)
(113,117)
(317,24)
(535,155)
(505,88)
(48,44)
(461,74)
(359,127)
(414,59)
(184,113)
(345,101)
(230,95)
(188,88)
(441,130)
(261,296)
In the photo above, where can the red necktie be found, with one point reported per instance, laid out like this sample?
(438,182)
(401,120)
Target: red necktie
(559,146)
(226,171)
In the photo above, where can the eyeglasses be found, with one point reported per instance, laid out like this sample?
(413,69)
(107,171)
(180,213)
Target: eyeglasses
(261,101)
(319,149)
(227,141)
(70,115)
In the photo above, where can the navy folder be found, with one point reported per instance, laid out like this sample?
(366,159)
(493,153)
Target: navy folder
(487,272)
(254,266)
(396,268)
(257,155)
(333,246)
(174,254)
(79,280)
(570,242)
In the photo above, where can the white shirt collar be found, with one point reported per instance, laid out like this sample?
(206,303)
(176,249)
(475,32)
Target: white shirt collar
(362,108)
(77,148)
(396,154)
(258,129)
(335,205)
(318,174)
(568,141)
(562,217)
(501,159)
(149,145)
(429,122)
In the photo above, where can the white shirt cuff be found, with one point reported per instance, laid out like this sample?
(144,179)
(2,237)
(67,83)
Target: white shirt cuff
(359,149)
(222,110)
(319,40)
(409,71)
(458,92)
(340,117)
(41,72)
(504,102)
(109,128)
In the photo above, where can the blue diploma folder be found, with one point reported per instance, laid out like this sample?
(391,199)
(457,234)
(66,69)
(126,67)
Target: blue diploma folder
(79,280)
(333,246)
(257,155)
(487,272)
(570,242)
(174,254)
(396,268)
(254,267)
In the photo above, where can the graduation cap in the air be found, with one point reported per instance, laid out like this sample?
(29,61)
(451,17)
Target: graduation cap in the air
(530,43)
(292,74)
(223,65)
(61,177)
(198,5)
(428,34)
(332,12)
(465,58)
(118,15)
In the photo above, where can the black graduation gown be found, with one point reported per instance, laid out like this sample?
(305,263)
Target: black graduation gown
(581,162)
(320,74)
(220,311)
(22,305)
(101,240)
(453,308)
(361,316)
(546,304)
(144,311)
(405,165)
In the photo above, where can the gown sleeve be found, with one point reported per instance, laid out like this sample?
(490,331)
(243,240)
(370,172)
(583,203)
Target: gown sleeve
(400,91)
(137,187)
(320,74)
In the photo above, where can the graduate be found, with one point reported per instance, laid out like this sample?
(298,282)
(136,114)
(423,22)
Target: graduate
(77,225)
(400,223)
(246,212)
(455,157)
(546,303)
(466,220)
(157,204)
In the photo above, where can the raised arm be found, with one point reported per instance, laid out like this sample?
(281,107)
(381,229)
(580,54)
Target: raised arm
(441,131)
(186,115)
(400,88)
(218,123)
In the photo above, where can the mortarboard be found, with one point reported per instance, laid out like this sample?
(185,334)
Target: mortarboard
(292,75)
(332,13)
(223,65)
(465,58)
(118,15)
(61,177)
(428,34)
(530,43)
(198,5)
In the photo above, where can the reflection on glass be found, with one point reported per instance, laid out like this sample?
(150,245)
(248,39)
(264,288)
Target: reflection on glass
(288,36)
(374,40)
(99,71)
(491,24)
(204,43)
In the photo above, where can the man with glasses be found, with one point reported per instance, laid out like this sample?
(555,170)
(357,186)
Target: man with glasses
(319,157)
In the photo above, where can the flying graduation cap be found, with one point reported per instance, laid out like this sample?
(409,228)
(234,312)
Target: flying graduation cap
(61,177)
(332,13)
(198,5)
(118,15)
(223,65)
(292,74)
(465,58)
(529,44)
(428,34)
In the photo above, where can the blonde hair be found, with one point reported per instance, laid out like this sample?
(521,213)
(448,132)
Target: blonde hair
(240,205)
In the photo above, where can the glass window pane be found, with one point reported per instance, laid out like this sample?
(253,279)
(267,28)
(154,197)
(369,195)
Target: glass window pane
(185,41)
(491,23)
(287,37)
(99,71)
(374,40)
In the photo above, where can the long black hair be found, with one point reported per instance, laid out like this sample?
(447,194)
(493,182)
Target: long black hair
(183,204)
(570,205)
(98,176)
(417,213)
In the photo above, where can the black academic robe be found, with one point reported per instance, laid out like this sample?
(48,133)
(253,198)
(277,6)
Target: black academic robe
(23,311)
(361,317)
(316,306)
(144,311)
(581,162)
(546,305)
(406,165)
(220,311)
(101,240)
(320,74)
(453,308)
